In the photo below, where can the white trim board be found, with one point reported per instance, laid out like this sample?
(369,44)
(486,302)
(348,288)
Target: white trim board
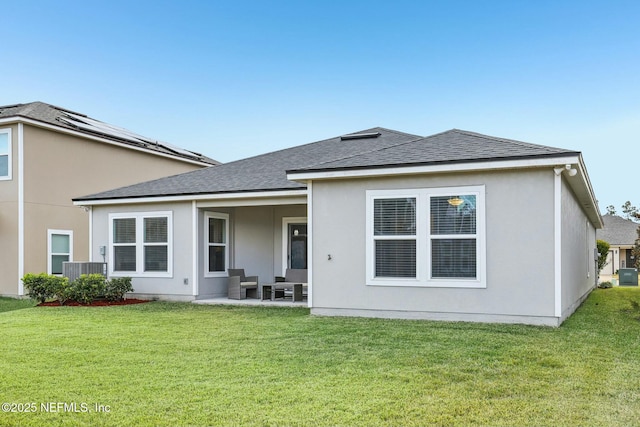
(20,208)
(437,168)
(257,198)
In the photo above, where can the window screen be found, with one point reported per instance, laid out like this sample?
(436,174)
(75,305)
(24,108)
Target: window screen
(393,218)
(217,245)
(454,217)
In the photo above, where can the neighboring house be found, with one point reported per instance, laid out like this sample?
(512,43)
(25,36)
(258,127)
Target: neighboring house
(49,155)
(454,226)
(621,234)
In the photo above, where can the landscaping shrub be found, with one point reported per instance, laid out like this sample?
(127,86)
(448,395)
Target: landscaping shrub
(39,286)
(61,288)
(605,285)
(117,287)
(88,287)
(85,289)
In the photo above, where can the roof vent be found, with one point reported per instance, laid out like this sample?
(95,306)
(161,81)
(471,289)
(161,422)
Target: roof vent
(360,135)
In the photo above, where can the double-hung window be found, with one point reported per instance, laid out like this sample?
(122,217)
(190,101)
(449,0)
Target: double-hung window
(60,249)
(426,237)
(141,244)
(216,244)
(394,237)
(5,154)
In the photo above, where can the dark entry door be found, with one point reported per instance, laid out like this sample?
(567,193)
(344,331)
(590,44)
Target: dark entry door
(297,246)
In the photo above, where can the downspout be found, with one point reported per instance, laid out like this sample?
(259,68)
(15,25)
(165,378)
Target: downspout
(557,240)
(20,208)
(310,243)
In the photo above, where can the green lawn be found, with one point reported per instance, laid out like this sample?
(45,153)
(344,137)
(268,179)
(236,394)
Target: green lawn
(185,364)
(10,304)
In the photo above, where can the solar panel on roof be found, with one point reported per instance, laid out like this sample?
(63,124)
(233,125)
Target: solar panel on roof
(96,126)
(104,128)
(177,149)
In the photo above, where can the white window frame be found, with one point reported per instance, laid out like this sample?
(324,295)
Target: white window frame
(286,221)
(424,237)
(50,254)
(225,217)
(140,244)
(7,177)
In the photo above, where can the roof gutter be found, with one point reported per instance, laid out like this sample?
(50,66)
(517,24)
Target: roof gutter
(303,175)
(192,197)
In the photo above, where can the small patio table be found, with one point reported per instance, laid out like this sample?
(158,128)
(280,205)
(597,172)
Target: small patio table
(269,290)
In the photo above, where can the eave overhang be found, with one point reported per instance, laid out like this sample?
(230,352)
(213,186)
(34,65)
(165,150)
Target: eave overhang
(579,183)
(288,196)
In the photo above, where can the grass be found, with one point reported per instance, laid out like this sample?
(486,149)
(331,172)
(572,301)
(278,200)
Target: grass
(10,304)
(184,364)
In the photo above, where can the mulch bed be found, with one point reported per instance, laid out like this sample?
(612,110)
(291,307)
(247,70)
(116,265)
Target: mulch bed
(96,303)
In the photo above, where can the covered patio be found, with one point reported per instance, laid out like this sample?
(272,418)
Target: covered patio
(263,236)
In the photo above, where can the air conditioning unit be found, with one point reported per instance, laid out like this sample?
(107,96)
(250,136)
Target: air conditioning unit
(73,270)
(628,276)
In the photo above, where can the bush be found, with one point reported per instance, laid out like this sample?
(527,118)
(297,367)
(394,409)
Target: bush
(85,289)
(64,290)
(61,288)
(117,287)
(603,251)
(605,285)
(88,287)
(38,286)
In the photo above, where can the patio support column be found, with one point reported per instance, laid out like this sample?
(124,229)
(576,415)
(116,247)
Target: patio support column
(194,247)
(310,243)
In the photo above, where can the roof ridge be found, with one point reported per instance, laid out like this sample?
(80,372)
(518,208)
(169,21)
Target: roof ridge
(373,149)
(319,141)
(511,141)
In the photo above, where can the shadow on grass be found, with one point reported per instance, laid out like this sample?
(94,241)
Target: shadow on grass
(11,304)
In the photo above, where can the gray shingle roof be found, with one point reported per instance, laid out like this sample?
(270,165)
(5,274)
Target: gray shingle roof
(381,148)
(453,146)
(67,119)
(618,231)
(266,172)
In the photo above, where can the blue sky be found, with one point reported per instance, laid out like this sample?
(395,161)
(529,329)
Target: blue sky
(232,79)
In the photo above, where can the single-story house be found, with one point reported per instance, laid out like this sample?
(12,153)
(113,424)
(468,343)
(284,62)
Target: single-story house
(621,234)
(50,154)
(454,226)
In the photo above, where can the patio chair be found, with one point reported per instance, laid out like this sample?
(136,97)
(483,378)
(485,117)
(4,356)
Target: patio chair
(241,286)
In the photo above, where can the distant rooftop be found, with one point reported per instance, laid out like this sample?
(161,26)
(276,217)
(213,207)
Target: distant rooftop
(70,120)
(618,231)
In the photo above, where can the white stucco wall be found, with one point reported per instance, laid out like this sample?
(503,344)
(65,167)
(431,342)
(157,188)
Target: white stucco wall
(255,244)
(578,257)
(161,287)
(519,248)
